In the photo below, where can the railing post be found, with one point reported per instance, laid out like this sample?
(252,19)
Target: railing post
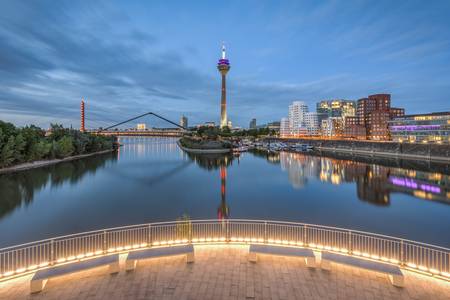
(104,241)
(305,235)
(190,232)
(265,232)
(149,235)
(402,255)
(350,245)
(227,232)
(52,252)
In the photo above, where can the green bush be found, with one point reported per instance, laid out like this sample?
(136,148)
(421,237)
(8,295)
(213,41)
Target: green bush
(30,143)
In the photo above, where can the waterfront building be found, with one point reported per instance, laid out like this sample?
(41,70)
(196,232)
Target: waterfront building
(353,130)
(229,124)
(285,129)
(141,126)
(184,121)
(252,124)
(209,124)
(275,125)
(332,127)
(377,126)
(374,113)
(321,117)
(297,111)
(223,66)
(336,108)
(396,112)
(421,128)
(312,123)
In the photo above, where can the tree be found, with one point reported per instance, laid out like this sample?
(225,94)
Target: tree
(19,148)
(64,147)
(7,153)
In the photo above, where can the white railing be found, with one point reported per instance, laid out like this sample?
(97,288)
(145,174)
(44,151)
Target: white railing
(28,257)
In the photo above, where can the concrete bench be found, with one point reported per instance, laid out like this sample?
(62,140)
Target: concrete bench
(394,273)
(307,254)
(133,257)
(41,277)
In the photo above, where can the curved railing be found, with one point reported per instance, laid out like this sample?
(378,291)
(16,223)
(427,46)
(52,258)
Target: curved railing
(29,257)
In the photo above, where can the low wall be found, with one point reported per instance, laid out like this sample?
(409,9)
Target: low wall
(433,152)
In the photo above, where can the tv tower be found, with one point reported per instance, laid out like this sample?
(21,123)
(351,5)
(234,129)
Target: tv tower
(223,66)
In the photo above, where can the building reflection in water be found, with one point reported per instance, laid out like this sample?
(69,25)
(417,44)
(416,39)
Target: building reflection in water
(216,162)
(374,183)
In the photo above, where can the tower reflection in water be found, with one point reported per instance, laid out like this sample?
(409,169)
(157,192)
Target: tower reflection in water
(214,162)
(374,182)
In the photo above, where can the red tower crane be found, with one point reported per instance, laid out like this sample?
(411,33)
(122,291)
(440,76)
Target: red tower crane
(82,128)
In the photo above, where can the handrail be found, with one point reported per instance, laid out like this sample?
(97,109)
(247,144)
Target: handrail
(213,220)
(18,259)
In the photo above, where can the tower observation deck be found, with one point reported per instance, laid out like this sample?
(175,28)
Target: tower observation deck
(223,66)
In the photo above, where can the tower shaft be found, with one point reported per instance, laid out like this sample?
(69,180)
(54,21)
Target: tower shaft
(223,103)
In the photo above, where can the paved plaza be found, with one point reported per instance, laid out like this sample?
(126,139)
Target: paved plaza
(223,272)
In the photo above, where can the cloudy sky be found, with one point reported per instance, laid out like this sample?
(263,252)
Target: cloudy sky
(131,57)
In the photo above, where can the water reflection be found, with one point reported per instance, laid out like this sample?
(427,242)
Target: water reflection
(18,189)
(213,163)
(374,183)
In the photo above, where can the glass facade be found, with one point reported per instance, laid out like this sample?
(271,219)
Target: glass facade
(423,128)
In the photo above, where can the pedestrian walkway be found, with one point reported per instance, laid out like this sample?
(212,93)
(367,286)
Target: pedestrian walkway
(223,272)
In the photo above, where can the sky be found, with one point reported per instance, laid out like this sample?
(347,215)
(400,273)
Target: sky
(130,57)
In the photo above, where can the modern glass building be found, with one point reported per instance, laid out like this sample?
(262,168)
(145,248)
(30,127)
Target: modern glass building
(421,128)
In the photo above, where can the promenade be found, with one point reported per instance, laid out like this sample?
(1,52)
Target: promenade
(223,272)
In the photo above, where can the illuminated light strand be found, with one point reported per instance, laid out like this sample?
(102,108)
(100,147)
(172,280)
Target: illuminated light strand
(422,268)
(430,271)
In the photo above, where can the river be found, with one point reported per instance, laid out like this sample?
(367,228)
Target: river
(151,179)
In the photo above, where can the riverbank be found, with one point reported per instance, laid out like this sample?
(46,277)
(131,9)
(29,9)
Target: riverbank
(43,163)
(429,152)
(203,151)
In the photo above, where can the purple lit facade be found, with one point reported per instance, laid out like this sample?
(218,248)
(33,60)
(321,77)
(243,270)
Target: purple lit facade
(421,128)
(223,62)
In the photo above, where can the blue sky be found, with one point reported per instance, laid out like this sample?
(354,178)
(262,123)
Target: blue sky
(130,57)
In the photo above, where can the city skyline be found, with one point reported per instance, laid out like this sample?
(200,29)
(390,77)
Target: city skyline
(125,59)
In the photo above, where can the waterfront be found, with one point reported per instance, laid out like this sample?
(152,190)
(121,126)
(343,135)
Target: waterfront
(151,179)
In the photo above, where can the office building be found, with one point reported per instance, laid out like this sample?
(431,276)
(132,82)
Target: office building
(285,129)
(336,108)
(421,128)
(312,123)
(332,127)
(252,124)
(297,111)
(274,126)
(184,121)
(141,126)
(374,113)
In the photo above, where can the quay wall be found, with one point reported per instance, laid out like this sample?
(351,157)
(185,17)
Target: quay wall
(434,152)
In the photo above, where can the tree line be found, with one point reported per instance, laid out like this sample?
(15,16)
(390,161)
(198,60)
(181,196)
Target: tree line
(214,132)
(31,143)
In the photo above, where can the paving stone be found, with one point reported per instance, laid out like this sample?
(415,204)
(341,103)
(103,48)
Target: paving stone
(222,272)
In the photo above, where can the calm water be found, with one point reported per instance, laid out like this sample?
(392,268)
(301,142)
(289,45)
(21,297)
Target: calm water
(151,179)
